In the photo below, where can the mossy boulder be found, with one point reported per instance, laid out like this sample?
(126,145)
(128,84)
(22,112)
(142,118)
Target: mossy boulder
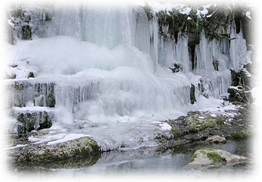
(200,122)
(209,158)
(83,146)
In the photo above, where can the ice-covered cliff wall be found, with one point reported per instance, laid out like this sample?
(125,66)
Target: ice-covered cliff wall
(118,63)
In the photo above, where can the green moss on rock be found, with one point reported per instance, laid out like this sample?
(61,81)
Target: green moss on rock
(220,120)
(201,121)
(194,156)
(241,134)
(203,152)
(200,124)
(175,132)
(215,157)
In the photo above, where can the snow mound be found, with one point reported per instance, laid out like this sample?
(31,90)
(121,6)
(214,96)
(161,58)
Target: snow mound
(66,55)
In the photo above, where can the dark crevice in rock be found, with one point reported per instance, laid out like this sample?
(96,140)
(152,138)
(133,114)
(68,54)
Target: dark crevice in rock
(191,50)
(192,94)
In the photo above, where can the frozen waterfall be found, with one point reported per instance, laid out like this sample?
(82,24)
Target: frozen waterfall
(101,68)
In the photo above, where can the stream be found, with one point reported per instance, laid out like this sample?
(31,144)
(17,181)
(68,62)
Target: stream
(141,161)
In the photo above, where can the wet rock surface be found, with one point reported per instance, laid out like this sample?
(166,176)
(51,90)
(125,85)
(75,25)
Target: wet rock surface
(29,121)
(213,158)
(216,139)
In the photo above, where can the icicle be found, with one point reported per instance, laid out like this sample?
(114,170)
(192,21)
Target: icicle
(234,64)
(181,52)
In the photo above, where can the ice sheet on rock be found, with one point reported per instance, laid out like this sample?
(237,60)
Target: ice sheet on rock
(66,138)
(238,50)
(78,56)
(213,105)
(31,109)
(123,71)
(45,138)
(128,135)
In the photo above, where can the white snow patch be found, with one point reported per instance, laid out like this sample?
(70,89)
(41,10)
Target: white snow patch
(67,138)
(156,122)
(157,6)
(215,106)
(204,11)
(31,109)
(17,146)
(235,87)
(45,138)
(248,15)
(213,115)
(165,126)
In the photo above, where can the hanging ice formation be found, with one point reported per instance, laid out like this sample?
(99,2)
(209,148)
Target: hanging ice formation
(112,65)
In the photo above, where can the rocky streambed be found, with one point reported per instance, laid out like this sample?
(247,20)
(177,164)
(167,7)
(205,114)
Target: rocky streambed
(201,128)
(198,126)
